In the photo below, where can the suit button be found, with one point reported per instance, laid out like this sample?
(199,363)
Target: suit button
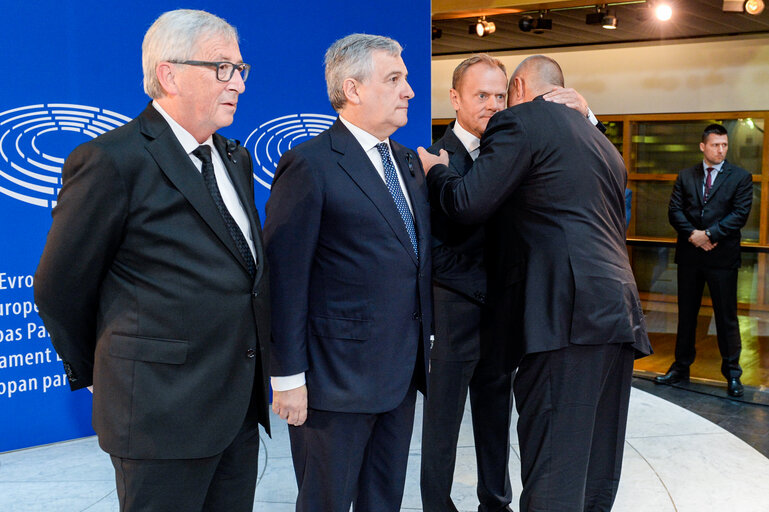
(250,353)
(254,294)
(416,316)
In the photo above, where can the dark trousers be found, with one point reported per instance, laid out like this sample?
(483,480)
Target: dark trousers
(491,402)
(226,481)
(342,458)
(572,405)
(722,283)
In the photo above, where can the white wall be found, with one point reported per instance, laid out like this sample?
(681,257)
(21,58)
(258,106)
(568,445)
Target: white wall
(726,74)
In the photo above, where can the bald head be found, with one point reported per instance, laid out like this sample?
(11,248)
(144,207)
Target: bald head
(536,75)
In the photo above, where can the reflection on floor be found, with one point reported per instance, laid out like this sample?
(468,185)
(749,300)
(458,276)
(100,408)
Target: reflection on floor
(674,461)
(662,319)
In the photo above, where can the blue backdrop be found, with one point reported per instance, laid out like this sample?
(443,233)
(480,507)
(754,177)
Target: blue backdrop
(72,70)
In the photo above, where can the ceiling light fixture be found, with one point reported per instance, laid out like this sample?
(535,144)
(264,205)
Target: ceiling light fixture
(526,23)
(483,27)
(754,7)
(543,23)
(609,21)
(663,12)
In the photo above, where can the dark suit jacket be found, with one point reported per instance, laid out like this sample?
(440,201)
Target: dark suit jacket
(146,296)
(460,275)
(351,299)
(725,213)
(561,184)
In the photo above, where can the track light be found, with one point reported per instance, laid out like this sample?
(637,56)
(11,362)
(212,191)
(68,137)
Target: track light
(526,24)
(538,26)
(609,21)
(602,16)
(754,7)
(663,12)
(543,23)
(483,27)
(596,18)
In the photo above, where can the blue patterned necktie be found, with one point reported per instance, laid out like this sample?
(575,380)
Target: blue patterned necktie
(204,154)
(391,177)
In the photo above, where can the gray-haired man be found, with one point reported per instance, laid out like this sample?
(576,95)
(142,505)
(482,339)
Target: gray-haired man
(348,240)
(153,283)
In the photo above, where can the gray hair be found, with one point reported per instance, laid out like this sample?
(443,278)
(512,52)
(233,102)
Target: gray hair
(352,57)
(176,35)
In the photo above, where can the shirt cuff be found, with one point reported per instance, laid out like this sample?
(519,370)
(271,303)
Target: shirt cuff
(288,382)
(591,117)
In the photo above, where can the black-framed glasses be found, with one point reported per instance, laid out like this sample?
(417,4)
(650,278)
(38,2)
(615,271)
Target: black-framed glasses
(224,70)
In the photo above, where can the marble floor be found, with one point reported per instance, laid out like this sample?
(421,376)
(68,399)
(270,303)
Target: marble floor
(674,461)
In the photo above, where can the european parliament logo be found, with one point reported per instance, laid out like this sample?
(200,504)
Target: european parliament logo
(271,139)
(35,139)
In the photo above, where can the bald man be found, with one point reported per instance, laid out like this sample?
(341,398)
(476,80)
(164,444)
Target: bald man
(547,174)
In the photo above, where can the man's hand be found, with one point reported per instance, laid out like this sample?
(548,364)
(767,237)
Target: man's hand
(291,405)
(699,239)
(428,159)
(568,97)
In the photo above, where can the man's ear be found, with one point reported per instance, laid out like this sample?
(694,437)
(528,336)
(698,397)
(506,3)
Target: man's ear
(350,88)
(167,75)
(454,98)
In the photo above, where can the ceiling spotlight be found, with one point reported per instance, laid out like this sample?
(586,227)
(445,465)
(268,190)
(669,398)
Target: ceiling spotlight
(596,18)
(543,24)
(663,12)
(754,7)
(484,28)
(609,21)
(526,24)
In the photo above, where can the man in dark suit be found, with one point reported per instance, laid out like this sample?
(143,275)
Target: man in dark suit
(347,236)
(153,281)
(561,186)
(468,352)
(709,205)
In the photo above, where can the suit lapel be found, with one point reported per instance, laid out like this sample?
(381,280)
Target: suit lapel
(721,177)
(357,165)
(179,169)
(459,158)
(699,177)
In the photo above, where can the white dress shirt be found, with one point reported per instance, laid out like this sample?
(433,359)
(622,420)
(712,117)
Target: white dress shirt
(368,142)
(223,181)
(471,143)
(713,175)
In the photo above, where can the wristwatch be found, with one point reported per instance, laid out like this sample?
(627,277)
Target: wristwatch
(707,233)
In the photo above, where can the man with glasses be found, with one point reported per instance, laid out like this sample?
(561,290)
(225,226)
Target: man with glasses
(153,281)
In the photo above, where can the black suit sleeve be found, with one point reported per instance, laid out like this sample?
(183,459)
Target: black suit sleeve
(291,230)
(504,162)
(85,234)
(732,222)
(677,210)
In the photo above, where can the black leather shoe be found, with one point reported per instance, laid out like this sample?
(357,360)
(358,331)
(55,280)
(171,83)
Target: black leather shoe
(734,388)
(672,376)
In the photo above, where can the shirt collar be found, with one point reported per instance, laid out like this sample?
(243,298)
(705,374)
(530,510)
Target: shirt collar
(363,137)
(468,140)
(716,168)
(185,138)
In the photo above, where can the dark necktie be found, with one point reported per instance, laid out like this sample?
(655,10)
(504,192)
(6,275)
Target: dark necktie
(708,183)
(391,177)
(204,154)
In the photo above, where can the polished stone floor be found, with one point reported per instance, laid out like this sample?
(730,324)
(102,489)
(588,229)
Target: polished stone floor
(674,460)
